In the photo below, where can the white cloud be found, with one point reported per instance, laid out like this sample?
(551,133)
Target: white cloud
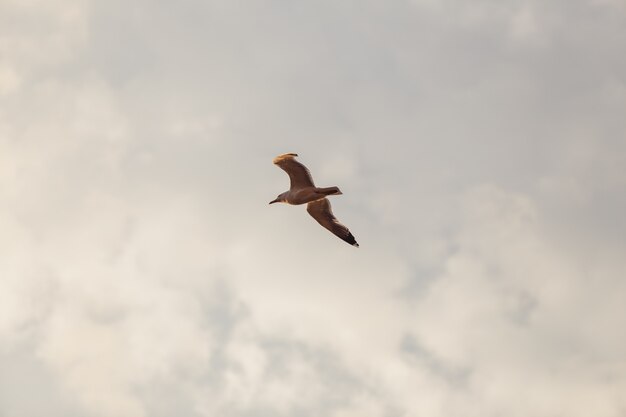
(524,24)
(9,80)
(516,312)
(479,148)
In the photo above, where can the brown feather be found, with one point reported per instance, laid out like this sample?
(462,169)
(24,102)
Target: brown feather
(321,211)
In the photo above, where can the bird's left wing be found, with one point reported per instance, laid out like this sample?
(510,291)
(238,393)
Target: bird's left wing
(320,210)
(299,175)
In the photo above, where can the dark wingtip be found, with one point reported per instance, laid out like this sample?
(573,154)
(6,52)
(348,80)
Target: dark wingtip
(351,240)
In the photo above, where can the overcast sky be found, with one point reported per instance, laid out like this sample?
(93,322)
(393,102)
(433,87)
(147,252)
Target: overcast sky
(481,149)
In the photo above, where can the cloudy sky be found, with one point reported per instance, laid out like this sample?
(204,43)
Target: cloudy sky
(481,149)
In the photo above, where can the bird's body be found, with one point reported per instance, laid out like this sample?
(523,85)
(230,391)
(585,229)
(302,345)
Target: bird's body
(303,190)
(306,195)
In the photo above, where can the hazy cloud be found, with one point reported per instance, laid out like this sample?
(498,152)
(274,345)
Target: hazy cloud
(480,147)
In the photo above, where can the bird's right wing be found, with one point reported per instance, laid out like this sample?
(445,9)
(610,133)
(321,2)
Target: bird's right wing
(298,174)
(320,210)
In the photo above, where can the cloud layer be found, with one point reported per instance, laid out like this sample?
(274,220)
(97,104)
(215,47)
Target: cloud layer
(480,147)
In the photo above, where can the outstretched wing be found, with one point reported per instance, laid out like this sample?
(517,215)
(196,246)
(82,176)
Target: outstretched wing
(298,174)
(320,210)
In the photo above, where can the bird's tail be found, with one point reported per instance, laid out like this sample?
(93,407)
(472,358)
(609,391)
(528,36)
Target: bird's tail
(329,191)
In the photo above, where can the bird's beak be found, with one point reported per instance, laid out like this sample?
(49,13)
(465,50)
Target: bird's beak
(274,201)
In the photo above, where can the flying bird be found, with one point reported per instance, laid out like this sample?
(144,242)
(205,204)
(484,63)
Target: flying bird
(303,190)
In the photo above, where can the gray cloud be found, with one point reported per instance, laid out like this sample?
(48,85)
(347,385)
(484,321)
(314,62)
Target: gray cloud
(480,149)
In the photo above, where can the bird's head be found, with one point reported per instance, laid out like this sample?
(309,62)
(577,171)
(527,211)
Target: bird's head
(280,199)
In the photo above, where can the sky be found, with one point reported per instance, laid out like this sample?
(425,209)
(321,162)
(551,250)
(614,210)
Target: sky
(481,150)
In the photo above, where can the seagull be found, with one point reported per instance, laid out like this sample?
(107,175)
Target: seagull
(303,190)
